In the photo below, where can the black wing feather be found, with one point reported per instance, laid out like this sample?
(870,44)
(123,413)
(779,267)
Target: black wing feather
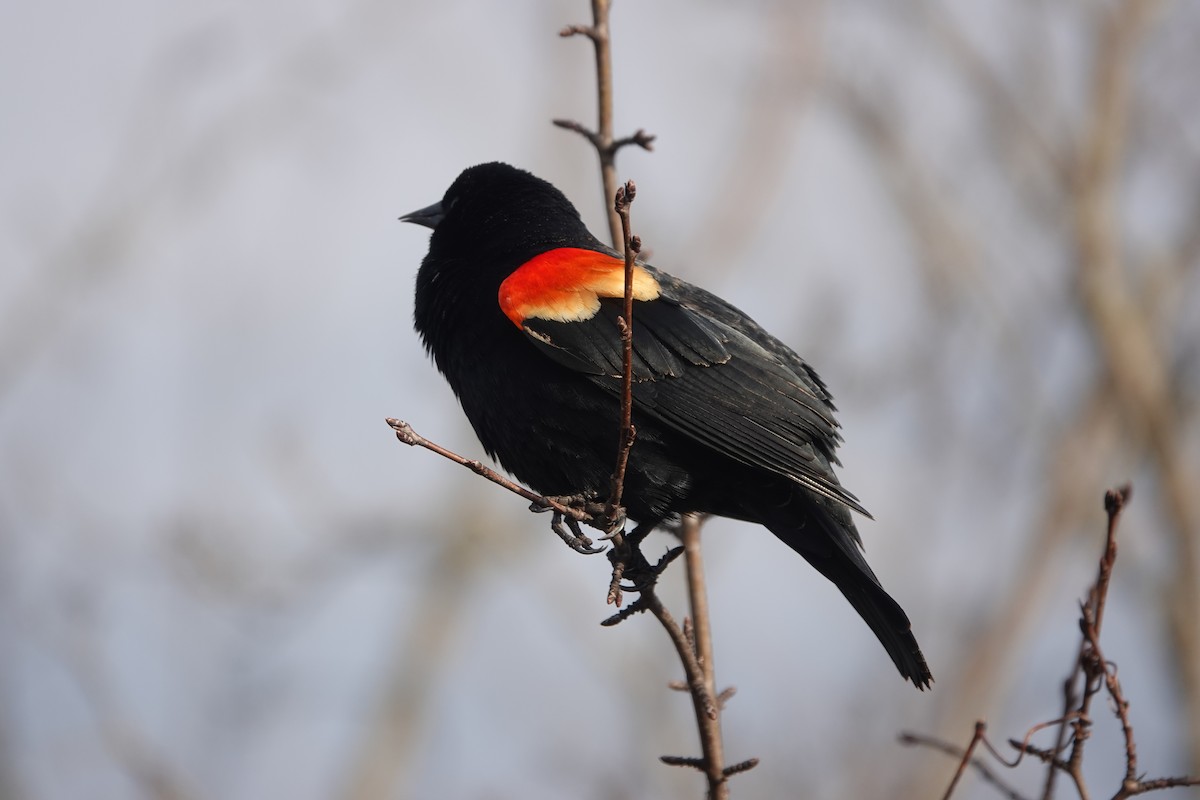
(698,373)
(666,341)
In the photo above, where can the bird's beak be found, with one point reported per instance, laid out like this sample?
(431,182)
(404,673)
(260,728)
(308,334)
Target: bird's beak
(429,216)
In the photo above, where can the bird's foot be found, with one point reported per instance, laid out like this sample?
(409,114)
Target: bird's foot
(612,523)
(587,502)
(569,531)
(598,515)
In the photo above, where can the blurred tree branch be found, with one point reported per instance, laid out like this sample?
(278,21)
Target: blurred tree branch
(1070,185)
(1127,340)
(384,755)
(125,211)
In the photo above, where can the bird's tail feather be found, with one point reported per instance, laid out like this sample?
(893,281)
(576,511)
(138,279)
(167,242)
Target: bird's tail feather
(830,545)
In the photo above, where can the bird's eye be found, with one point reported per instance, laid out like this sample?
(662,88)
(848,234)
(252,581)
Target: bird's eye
(449,203)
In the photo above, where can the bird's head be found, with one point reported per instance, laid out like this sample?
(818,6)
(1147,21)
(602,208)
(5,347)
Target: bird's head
(496,210)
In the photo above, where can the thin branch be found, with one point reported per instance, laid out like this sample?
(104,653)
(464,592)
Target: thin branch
(693,642)
(985,772)
(710,729)
(633,245)
(1041,754)
(1089,665)
(601,139)
(574,513)
(740,767)
(695,650)
(406,434)
(1114,502)
(1095,673)
(683,761)
(1155,785)
(694,647)
(640,138)
(1120,704)
(703,703)
(980,729)
(1024,748)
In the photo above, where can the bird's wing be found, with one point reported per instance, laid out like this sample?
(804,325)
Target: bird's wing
(697,372)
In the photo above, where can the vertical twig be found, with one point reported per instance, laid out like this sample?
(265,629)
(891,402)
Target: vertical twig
(632,245)
(710,729)
(695,651)
(602,138)
(1089,664)
(604,113)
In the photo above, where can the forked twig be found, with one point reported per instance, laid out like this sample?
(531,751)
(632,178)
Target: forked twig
(985,772)
(980,729)
(1094,673)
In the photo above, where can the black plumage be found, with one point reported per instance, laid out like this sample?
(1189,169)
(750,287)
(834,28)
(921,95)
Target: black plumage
(730,420)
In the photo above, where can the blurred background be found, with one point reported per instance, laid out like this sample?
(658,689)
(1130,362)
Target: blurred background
(222,577)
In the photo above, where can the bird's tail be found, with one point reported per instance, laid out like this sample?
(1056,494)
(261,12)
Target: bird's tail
(827,540)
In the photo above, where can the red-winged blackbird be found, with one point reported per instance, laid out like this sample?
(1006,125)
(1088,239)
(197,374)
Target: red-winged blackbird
(518,303)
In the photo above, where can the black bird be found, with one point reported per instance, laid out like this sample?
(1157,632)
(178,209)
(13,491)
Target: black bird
(517,302)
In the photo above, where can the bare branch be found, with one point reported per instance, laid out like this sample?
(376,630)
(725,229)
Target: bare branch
(640,138)
(980,729)
(695,650)
(1095,673)
(630,570)
(406,434)
(741,766)
(683,761)
(580,30)
(601,139)
(1089,663)
(985,772)
(579,510)
(1156,784)
(582,130)
(710,730)
(624,197)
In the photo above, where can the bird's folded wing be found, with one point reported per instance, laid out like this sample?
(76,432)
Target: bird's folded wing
(707,380)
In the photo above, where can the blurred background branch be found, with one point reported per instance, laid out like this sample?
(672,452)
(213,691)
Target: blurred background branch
(1091,674)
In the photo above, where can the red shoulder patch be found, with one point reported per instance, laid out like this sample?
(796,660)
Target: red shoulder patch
(566,285)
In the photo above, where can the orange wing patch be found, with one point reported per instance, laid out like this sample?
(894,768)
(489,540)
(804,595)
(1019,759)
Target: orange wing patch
(566,285)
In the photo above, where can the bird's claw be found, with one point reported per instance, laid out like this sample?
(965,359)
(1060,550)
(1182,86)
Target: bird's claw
(573,535)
